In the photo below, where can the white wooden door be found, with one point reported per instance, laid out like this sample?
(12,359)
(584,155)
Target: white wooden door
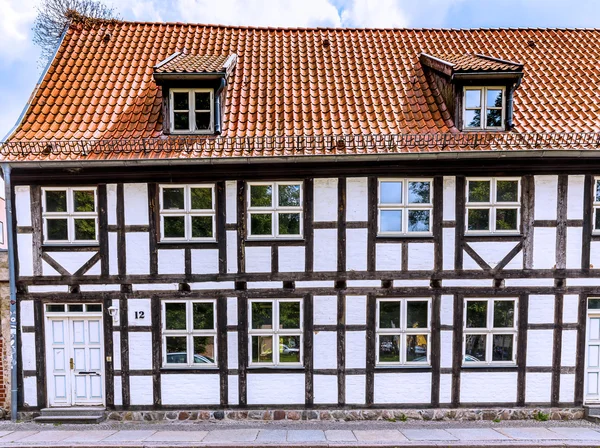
(592,373)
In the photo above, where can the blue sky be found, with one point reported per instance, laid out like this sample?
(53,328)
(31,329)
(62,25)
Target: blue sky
(19,58)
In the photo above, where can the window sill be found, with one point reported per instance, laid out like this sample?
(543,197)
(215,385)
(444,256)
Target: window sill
(405,235)
(402,366)
(69,244)
(482,365)
(484,234)
(194,368)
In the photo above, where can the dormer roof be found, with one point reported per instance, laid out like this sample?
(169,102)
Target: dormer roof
(188,65)
(463,65)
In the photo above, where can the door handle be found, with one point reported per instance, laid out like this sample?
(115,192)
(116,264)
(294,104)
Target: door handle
(71,364)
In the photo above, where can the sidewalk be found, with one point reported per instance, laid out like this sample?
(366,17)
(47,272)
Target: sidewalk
(514,434)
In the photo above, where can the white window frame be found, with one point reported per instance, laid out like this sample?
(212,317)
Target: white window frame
(275,333)
(187,212)
(489,331)
(70,215)
(1,232)
(404,206)
(595,206)
(484,108)
(492,206)
(275,210)
(403,331)
(189,333)
(191,111)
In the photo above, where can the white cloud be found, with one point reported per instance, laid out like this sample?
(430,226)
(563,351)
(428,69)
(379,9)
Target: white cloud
(16,18)
(374,13)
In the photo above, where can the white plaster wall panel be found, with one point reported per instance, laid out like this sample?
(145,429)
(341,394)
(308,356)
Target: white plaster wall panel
(135,197)
(23,205)
(28,351)
(539,348)
(575,196)
(449,213)
(325,389)
(420,256)
(567,388)
(325,350)
(292,258)
(445,388)
(574,246)
(356,199)
(140,350)
(144,313)
(538,387)
(219,286)
(541,309)
(141,391)
(231,202)
(325,200)
(470,264)
(363,283)
(529,282)
(233,389)
(546,194)
(232,310)
(117,350)
(475,387)
(314,284)
(356,389)
(325,250)
(96,269)
(356,310)
(71,261)
(447,310)
(205,261)
(492,252)
(516,262)
(258,259)
(356,349)
(232,254)
(448,248)
(25,254)
(594,254)
(411,283)
(155,287)
(171,261)
(570,308)
(325,310)
(30,391)
(26,315)
(232,349)
(569,348)
(48,270)
(285,388)
(48,288)
(137,252)
(264,285)
(392,388)
(113,264)
(583,282)
(446,346)
(111,202)
(388,257)
(356,249)
(118,391)
(544,247)
(190,389)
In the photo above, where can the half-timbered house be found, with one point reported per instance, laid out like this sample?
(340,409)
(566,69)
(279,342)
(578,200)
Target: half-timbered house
(232,219)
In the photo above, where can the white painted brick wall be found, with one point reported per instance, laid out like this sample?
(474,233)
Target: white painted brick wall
(30,391)
(113,264)
(448,248)
(28,351)
(575,197)
(231,202)
(232,349)
(325,310)
(137,252)
(25,254)
(111,202)
(544,247)
(139,305)
(118,391)
(171,261)
(594,254)
(567,388)
(292,258)
(445,388)
(233,389)
(449,213)
(355,389)
(447,310)
(48,270)
(356,310)
(135,197)
(492,252)
(232,318)
(26,313)
(388,257)
(190,389)
(258,259)
(356,249)
(23,205)
(570,308)
(325,250)
(546,194)
(356,346)
(475,387)
(574,246)
(205,261)
(539,348)
(140,390)
(275,388)
(356,199)
(538,387)
(392,388)
(232,255)
(71,261)
(569,348)
(541,309)
(140,350)
(325,389)
(446,349)
(420,256)
(325,350)
(469,263)
(117,351)
(325,199)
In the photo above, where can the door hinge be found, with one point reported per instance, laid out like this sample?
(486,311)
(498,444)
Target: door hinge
(71,365)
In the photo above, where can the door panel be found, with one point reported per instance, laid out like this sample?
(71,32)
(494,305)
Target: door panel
(57,365)
(592,376)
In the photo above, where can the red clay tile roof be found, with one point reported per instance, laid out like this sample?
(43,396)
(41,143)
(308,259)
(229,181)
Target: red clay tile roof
(192,63)
(306,82)
(478,63)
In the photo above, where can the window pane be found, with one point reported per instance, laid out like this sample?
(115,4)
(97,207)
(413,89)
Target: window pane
(473,98)
(475,347)
(389,314)
(597,219)
(262,315)
(174,226)
(76,308)
(202,121)
(262,348)
(85,229)
(176,349)
(204,318)
(416,314)
(597,191)
(173,198)
(201,198)
(419,192)
(289,223)
(56,201)
(390,220)
(418,220)
(390,192)
(202,100)
(416,348)
(289,349)
(57,229)
(181,121)
(261,224)
(289,195)
(261,195)
(473,118)
(506,219)
(494,98)
(494,118)
(289,315)
(478,219)
(175,316)
(503,347)
(477,314)
(202,227)
(504,313)
(389,348)
(507,191)
(593,304)
(93,308)
(55,308)
(181,100)
(479,191)
(204,350)
(83,201)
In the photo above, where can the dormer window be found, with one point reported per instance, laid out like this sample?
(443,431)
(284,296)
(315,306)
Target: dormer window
(192,111)
(483,108)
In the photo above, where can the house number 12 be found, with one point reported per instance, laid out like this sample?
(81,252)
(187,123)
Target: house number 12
(139,314)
